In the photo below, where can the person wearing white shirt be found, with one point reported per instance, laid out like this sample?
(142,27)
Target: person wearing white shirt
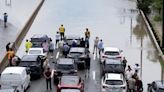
(57,38)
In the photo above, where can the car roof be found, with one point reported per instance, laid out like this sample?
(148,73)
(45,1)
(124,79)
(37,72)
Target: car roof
(114,76)
(15,70)
(7,90)
(160,83)
(72,37)
(36,49)
(113,61)
(65,61)
(111,49)
(70,80)
(77,49)
(39,36)
(29,58)
(70,90)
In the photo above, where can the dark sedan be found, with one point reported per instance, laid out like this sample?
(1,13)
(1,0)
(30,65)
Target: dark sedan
(34,65)
(79,54)
(69,39)
(112,66)
(38,39)
(65,66)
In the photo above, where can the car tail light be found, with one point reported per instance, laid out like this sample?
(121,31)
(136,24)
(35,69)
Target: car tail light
(104,57)
(123,87)
(75,71)
(118,57)
(104,87)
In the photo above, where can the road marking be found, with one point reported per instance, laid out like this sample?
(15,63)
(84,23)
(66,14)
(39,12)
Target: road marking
(94,56)
(94,75)
(57,55)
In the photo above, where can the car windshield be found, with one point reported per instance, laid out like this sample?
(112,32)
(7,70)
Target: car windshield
(161,90)
(69,80)
(114,82)
(114,67)
(76,53)
(70,90)
(111,53)
(65,67)
(34,52)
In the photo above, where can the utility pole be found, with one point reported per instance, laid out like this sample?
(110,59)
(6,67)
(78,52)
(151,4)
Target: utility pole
(162,31)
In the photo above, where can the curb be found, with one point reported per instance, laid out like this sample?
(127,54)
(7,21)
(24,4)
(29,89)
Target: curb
(20,36)
(152,35)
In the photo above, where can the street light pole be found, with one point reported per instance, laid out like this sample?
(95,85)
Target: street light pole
(162,31)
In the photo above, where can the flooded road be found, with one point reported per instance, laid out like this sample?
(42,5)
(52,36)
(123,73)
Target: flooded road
(116,22)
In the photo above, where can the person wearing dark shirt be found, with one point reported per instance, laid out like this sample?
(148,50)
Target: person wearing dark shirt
(82,42)
(47,75)
(8,46)
(87,64)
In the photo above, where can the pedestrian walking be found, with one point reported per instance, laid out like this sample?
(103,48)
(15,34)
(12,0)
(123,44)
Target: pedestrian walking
(62,31)
(100,47)
(87,43)
(57,38)
(5,19)
(128,73)
(87,65)
(66,49)
(124,61)
(51,48)
(74,43)
(28,45)
(82,42)
(15,60)
(47,75)
(8,46)
(45,46)
(131,84)
(136,68)
(10,55)
(139,85)
(87,33)
(96,41)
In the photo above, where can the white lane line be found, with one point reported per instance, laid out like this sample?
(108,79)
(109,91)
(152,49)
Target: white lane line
(57,55)
(94,56)
(94,75)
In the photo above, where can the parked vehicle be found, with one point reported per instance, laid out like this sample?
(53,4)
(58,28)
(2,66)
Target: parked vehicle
(38,39)
(79,54)
(156,86)
(36,51)
(34,64)
(70,82)
(112,66)
(69,39)
(111,53)
(65,66)
(113,82)
(15,77)
(70,90)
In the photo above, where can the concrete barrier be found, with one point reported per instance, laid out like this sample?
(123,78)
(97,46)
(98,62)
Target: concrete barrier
(21,35)
(152,35)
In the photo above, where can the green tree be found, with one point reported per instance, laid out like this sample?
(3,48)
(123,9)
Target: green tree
(144,5)
(157,5)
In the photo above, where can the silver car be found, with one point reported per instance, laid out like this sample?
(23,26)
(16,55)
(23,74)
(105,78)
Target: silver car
(113,82)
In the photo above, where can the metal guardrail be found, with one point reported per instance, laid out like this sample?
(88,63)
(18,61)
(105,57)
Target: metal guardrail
(21,35)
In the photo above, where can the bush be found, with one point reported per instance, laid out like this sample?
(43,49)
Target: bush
(158,18)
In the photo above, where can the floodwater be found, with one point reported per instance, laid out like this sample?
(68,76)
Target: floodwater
(116,22)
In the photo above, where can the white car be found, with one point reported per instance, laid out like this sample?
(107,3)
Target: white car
(113,82)
(36,51)
(15,77)
(111,53)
